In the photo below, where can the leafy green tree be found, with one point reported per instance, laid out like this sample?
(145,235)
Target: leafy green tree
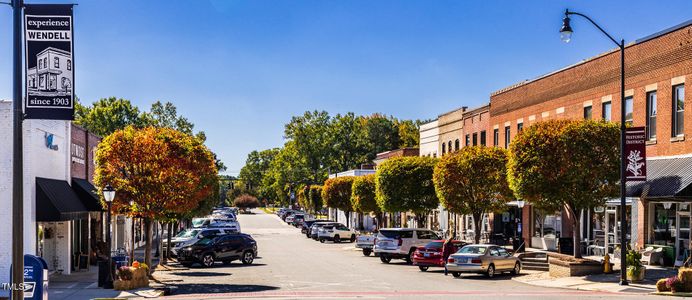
(310,136)
(566,164)
(381,134)
(348,147)
(336,193)
(256,167)
(315,197)
(363,196)
(166,115)
(286,170)
(409,135)
(107,115)
(473,181)
(406,184)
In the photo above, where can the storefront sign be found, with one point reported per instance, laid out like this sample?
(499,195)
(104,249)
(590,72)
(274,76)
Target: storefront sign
(49,61)
(77,152)
(635,154)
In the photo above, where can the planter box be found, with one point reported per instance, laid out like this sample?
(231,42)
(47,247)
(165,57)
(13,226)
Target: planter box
(561,268)
(139,280)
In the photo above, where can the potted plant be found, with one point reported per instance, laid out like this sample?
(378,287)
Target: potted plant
(635,269)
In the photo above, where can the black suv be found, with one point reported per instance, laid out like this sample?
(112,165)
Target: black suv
(224,248)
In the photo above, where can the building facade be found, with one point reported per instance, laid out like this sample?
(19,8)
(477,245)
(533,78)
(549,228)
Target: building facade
(429,136)
(450,126)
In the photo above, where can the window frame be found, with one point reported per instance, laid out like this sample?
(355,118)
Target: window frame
(483,138)
(474,139)
(677,112)
(496,137)
(651,130)
(629,100)
(588,112)
(610,111)
(508,135)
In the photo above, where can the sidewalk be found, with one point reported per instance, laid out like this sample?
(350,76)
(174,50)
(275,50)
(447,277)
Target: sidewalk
(601,282)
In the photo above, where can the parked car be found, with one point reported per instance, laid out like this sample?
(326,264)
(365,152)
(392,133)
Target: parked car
(366,243)
(299,219)
(191,236)
(316,227)
(336,232)
(288,214)
(430,255)
(225,248)
(401,243)
(216,222)
(305,228)
(483,259)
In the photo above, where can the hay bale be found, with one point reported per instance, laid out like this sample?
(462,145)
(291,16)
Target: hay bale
(685,275)
(661,285)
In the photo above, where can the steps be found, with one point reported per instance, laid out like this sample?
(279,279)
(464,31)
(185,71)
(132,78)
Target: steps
(534,261)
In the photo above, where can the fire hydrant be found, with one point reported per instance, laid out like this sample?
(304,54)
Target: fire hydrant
(606,264)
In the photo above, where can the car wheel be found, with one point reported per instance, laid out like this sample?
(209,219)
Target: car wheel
(367,252)
(456,274)
(208,260)
(409,258)
(517,269)
(422,268)
(322,241)
(248,257)
(353,238)
(385,258)
(490,273)
(337,239)
(226,262)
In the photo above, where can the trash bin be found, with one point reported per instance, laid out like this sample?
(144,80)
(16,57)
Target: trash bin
(103,272)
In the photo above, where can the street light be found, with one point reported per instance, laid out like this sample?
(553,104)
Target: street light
(132,249)
(566,35)
(108,195)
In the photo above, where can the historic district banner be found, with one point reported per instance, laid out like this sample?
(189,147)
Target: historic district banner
(49,61)
(635,154)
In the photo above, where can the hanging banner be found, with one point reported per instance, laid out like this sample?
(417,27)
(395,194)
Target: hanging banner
(635,154)
(49,61)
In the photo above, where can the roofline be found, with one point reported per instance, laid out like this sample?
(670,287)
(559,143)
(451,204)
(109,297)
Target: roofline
(477,109)
(463,109)
(636,42)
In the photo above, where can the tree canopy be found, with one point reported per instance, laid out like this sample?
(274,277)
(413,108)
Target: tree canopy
(363,194)
(406,184)
(315,197)
(473,181)
(336,193)
(566,164)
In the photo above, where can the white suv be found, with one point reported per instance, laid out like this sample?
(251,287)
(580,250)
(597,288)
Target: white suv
(335,232)
(401,243)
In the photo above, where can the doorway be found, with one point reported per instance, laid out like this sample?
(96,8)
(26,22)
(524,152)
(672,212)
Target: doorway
(682,242)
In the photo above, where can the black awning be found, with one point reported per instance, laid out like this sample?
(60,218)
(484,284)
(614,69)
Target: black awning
(665,178)
(87,194)
(56,201)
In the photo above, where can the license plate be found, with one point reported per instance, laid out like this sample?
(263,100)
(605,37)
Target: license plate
(426,254)
(461,260)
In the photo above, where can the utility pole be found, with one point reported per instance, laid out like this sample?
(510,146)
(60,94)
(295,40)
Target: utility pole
(17,157)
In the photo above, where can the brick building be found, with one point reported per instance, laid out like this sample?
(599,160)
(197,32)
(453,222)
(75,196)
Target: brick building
(658,70)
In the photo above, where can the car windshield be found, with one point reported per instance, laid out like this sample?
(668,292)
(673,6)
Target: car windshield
(472,250)
(437,245)
(198,222)
(205,241)
(187,233)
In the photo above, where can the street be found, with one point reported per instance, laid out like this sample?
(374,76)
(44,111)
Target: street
(291,266)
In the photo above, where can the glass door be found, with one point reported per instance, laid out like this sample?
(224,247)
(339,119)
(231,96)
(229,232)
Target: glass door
(611,234)
(682,243)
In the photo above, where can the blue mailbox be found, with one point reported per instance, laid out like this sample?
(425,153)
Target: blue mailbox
(35,277)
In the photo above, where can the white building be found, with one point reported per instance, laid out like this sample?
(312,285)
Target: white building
(429,138)
(52,74)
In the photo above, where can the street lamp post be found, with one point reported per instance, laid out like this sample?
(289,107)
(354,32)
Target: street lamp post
(132,249)
(108,195)
(566,35)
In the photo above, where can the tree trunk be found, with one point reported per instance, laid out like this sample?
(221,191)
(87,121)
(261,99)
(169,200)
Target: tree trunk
(576,233)
(477,220)
(147,237)
(348,215)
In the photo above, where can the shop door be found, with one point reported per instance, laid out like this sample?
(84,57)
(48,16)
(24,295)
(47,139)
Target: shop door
(682,242)
(611,230)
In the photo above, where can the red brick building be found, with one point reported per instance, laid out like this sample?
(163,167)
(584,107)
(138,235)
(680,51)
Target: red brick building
(658,74)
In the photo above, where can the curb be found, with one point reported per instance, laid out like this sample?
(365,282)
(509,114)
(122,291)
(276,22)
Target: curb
(577,288)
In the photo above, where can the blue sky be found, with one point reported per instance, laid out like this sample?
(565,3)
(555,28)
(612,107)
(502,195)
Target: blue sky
(240,69)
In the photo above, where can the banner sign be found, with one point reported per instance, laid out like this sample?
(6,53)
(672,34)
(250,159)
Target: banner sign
(49,61)
(635,154)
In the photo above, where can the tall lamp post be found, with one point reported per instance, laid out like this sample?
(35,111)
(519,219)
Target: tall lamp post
(132,249)
(566,35)
(108,195)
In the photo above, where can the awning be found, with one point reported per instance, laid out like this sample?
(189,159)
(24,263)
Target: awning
(669,178)
(56,201)
(87,194)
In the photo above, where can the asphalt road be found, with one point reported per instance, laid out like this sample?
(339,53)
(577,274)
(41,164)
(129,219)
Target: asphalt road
(291,266)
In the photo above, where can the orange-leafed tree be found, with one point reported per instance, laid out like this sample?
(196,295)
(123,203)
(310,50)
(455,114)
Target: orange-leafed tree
(164,172)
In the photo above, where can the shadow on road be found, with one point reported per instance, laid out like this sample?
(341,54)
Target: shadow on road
(195,288)
(201,274)
(482,277)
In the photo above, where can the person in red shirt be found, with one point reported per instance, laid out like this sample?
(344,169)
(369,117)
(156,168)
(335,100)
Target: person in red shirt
(448,249)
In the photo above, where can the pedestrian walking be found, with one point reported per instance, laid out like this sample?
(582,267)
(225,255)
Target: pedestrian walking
(448,249)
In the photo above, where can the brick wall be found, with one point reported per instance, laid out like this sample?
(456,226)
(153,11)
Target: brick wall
(475,121)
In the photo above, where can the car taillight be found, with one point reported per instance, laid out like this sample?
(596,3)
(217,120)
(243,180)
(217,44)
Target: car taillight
(450,260)
(476,261)
(400,241)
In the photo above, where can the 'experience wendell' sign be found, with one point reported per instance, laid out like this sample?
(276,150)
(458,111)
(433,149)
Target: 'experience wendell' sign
(635,154)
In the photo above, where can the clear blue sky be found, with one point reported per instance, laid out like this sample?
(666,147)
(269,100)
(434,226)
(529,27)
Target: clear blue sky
(240,69)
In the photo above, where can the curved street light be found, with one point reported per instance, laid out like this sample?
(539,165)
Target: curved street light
(566,35)
(108,196)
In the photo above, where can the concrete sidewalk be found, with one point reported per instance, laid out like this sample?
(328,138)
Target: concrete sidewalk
(601,282)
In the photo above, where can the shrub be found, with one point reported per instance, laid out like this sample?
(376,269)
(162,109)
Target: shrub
(662,286)
(246,201)
(674,284)
(685,275)
(125,273)
(336,193)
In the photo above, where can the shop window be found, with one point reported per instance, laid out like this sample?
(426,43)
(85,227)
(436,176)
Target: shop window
(606,111)
(664,224)
(587,112)
(651,112)
(547,225)
(629,111)
(678,110)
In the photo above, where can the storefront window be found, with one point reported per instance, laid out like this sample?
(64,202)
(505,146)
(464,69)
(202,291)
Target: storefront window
(548,225)
(664,224)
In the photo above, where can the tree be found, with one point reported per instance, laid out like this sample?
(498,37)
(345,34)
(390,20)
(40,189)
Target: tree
(302,194)
(245,202)
(406,184)
(473,181)
(336,193)
(380,134)
(107,115)
(286,169)
(166,115)
(409,135)
(566,164)
(348,147)
(163,171)
(256,167)
(310,136)
(315,197)
(363,195)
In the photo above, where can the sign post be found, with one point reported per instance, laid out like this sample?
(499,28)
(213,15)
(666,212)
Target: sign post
(635,154)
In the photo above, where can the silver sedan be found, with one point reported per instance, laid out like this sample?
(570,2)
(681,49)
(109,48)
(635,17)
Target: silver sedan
(483,259)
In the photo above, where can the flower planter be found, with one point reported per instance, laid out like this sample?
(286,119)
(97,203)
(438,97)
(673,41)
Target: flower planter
(560,265)
(139,280)
(636,277)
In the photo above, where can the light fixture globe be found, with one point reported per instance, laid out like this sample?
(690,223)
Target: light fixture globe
(521,203)
(108,193)
(566,30)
